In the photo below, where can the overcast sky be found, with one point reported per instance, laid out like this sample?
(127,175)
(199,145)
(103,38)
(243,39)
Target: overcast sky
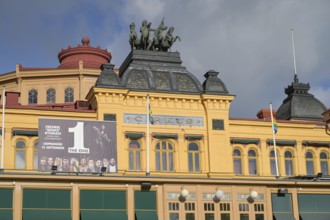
(247,41)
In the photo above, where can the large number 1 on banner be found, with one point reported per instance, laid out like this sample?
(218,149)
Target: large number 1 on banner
(78,140)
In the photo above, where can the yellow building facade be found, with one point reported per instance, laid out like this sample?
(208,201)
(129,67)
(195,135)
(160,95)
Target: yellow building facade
(194,161)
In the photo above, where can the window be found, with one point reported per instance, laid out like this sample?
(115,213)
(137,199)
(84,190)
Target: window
(189,208)
(309,163)
(33,96)
(237,162)
(20,155)
(252,157)
(324,163)
(193,157)
(272,163)
(35,155)
(173,208)
(51,94)
(288,163)
(225,211)
(209,211)
(134,154)
(243,209)
(68,94)
(164,156)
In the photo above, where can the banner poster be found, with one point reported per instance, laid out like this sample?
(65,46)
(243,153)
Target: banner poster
(76,145)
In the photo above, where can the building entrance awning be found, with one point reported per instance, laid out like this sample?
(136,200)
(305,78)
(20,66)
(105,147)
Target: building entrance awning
(103,215)
(46,214)
(314,216)
(283,216)
(146,214)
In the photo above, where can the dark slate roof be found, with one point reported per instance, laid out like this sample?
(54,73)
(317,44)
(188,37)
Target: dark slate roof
(158,72)
(299,104)
(213,84)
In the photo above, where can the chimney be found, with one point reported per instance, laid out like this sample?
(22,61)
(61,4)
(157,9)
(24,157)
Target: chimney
(265,114)
(12,98)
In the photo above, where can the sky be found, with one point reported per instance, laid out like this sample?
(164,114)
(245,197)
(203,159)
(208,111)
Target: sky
(247,42)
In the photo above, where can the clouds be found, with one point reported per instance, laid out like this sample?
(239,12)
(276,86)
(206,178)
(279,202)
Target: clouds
(248,42)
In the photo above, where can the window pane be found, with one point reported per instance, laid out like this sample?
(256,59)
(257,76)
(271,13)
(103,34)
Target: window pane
(68,95)
(323,155)
(190,161)
(20,145)
(237,166)
(190,216)
(164,161)
(244,217)
(324,167)
(288,168)
(193,147)
(209,216)
(131,160)
(157,161)
(259,216)
(310,167)
(20,159)
(309,155)
(33,96)
(51,94)
(252,166)
(171,161)
(273,167)
(237,152)
(288,154)
(138,160)
(35,160)
(225,216)
(174,216)
(251,153)
(197,168)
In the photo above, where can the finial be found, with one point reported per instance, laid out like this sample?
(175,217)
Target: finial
(85,41)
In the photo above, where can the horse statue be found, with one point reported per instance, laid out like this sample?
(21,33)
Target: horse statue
(133,38)
(158,37)
(145,29)
(169,39)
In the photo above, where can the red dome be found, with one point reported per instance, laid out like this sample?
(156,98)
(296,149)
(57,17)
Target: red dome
(92,57)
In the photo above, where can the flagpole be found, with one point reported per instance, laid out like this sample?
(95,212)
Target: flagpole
(148,138)
(294,54)
(3,127)
(274,141)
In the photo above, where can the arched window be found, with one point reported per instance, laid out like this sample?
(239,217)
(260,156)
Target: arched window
(272,163)
(309,163)
(35,155)
(252,158)
(193,157)
(288,163)
(237,156)
(51,95)
(134,153)
(20,155)
(324,163)
(68,94)
(164,156)
(33,96)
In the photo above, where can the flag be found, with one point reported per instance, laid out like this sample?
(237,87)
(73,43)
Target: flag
(151,117)
(274,123)
(275,128)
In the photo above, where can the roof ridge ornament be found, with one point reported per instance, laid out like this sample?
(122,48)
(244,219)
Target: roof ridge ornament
(159,41)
